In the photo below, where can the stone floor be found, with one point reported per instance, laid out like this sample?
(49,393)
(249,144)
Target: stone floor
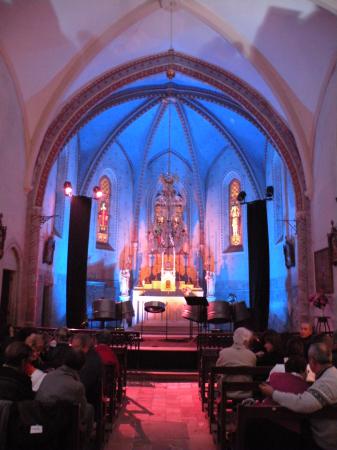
(161,416)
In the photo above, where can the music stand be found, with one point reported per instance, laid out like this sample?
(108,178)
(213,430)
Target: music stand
(202,303)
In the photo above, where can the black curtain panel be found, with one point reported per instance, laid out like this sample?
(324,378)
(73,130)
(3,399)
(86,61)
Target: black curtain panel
(258,248)
(77,260)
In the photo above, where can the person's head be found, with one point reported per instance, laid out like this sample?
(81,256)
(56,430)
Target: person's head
(81,341)
(319,356)
(294,347)
(36,343)
(296,364)
(323,337)
(305,330)
(74,359)
(242,336)
(272,342)
(17,355)
(103,338)
(62,335)
(24,332)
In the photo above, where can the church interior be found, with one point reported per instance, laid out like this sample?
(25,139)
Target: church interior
(167,165)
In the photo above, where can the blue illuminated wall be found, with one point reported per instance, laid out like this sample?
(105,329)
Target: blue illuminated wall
(205,162)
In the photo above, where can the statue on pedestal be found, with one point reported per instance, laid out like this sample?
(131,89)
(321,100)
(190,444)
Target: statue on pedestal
(124,277)
(210,282)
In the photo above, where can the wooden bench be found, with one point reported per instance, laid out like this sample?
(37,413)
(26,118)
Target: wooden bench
(207,360)
(226,404)
(260,373)
(246,414)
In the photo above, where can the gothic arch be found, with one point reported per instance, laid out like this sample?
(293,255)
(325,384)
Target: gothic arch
(68,121)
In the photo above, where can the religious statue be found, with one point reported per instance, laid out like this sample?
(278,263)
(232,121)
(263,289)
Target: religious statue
(124,277)
(3,230)
(332,240)
(210,282)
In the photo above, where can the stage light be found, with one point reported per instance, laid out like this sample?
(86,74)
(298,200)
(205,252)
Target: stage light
(269,192)
(68,189)
(97,191)
(241,197)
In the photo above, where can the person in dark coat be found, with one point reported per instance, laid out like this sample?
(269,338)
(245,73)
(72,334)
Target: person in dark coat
(56,355)
(91,373)
(15,385)
(107,355)
(307,336)
(273,351)
(63,384)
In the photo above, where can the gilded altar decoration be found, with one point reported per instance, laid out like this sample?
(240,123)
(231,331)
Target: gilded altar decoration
(168,231)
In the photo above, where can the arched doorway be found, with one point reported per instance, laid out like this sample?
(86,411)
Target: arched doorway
(86,104)
(10,287)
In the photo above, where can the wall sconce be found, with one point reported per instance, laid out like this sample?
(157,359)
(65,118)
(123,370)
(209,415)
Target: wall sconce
(3,231)
(97,192)
(68,189)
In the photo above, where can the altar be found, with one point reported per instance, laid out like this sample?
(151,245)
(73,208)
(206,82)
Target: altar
(174,304)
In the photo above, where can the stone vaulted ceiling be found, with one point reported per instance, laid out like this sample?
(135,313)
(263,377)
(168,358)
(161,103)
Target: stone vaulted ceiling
(195,120)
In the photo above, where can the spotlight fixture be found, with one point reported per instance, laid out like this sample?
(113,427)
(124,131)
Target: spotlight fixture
(269,192)
(97,192)
(68,189)
(241,197)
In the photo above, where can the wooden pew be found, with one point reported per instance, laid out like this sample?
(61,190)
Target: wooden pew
(223,406)
(122,354)
(109,394)
(207,360)
(245,414)
(260,372)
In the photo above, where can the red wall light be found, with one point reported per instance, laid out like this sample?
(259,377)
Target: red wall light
(68,189)
(97,191)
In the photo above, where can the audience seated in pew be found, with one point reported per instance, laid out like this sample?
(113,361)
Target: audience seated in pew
(59,348)
(107,355)
(294,347)
(292,380)
(15,384)
(238,355)
(272,353)
(306,335)
(92,372)
(321,393)
(63,384)
(6,337)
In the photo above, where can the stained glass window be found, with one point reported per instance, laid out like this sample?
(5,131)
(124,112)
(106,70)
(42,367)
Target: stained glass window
(235,229)
(103,215)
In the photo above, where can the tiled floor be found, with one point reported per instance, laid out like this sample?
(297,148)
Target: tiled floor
(161,416)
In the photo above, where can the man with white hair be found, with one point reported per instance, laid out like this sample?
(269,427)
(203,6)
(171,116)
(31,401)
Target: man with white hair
(238,355)
(322,393)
